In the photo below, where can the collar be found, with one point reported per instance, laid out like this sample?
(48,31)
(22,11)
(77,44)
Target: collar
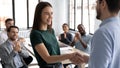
(108,20)
(10,42)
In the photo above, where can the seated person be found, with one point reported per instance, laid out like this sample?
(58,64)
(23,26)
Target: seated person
(3,35)
(65,37)
(82,41)
(12,51)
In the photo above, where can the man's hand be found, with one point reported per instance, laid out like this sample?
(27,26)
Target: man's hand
(77,58)
(17,46)
(78,35)
(21,39)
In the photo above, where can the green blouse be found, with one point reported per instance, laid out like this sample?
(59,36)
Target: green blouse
(49,39)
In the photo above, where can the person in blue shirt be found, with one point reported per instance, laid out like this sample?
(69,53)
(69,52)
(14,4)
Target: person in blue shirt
(82,41)
(105,45)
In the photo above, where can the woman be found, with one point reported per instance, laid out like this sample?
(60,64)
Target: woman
(43,39)
(66,37)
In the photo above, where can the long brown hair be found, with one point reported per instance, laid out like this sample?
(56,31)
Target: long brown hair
(37,16)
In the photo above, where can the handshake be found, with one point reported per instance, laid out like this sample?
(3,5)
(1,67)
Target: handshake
(79,57)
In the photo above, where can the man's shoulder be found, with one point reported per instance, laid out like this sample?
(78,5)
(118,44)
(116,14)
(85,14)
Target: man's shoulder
(3,45)
(3,33)
(88,35)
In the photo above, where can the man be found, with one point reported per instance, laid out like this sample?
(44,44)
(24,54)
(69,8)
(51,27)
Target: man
(3,35)
(82,41)
(105,51)
(13,51)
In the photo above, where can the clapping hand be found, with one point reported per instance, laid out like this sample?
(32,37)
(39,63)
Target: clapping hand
(65,35)
(78,35)
(17,46)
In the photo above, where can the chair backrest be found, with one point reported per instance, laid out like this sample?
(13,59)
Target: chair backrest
(1,65)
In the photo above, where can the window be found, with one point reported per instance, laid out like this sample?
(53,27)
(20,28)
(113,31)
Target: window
(72,15)
(32,5)
(5,11)
(82,12)
(21,13)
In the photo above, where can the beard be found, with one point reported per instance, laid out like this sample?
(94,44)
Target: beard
(82,33)
(98,16)
(12,39)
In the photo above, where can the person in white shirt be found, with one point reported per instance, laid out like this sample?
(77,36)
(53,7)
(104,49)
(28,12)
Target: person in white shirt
(3,35)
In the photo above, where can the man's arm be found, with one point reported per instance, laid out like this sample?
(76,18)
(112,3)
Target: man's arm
(5,55)
(101,52)
(20,48)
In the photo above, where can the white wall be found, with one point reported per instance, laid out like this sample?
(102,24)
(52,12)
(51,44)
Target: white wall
(60,14)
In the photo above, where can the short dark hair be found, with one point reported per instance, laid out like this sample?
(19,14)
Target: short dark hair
(80,25)
(8,19)
(113,5)
(9,29)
